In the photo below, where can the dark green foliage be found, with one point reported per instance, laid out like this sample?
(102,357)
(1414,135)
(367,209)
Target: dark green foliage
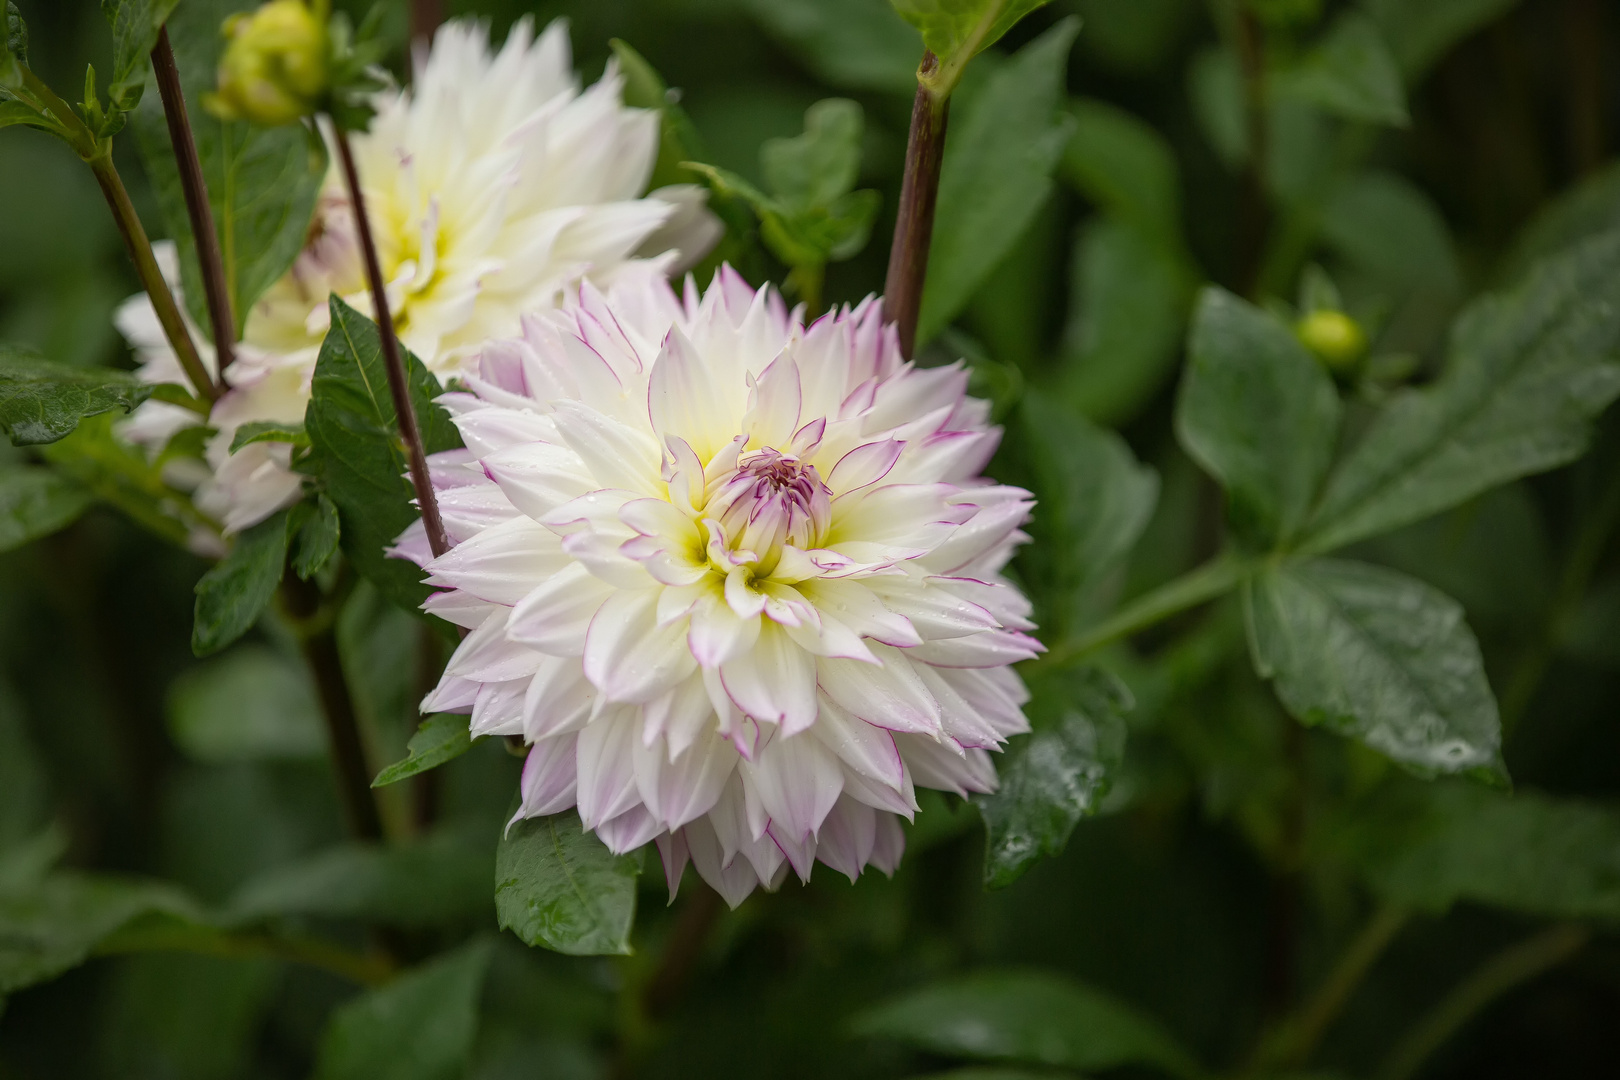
(418,1027)
(41,402)
(356,453)
(36,502)
(232,596)
(53,925)
(963,27)
(135,26)
(1031,1018)
(558,886)
(442,737)
(1055,776)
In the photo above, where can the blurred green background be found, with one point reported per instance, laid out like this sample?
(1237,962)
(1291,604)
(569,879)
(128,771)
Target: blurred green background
(1171,898)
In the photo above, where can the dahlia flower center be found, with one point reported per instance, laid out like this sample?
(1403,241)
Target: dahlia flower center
(773,499)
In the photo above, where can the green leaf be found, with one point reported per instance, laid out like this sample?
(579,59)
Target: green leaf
(678,139)
(13,113)
(268,431)
(36,502)
(1003,147)
(815,168)
(442,737)
(1028,1017)
(1391,230)
(1350,73)
(858,44)
(41,402)
(1058,774)
(135,26)
(1126,167)
(1419,32)
(1257,413)
(317,531)
(55,925)
(357,453)
(1589,209)
(262,182)
(232,596)
(1528,371)
(1095,500)
(436,880)
(1137,38)
(558,886)
(1378,657)
(961,29)
(1131,294)
(418,1027)
(1431,845)
(250,705)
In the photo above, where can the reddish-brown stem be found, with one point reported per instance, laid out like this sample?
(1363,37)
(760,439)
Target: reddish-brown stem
(215,288)
(392,360)
(426,15)
(1253,210)
(919,192)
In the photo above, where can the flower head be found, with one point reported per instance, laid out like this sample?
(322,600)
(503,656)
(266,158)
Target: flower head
(273,69)
(735,580)
(494,185)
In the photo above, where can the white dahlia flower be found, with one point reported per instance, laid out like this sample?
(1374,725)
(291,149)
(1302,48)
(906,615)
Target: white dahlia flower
(494,185)
(736,581)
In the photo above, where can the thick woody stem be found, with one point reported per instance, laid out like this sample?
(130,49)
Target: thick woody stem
(392,361)
(913,231)
(216,290)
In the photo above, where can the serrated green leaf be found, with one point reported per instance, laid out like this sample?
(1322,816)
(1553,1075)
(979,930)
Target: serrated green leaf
(1430,846)
(252,704)
(1528,371)
(441,737)
(41,402)
(232,596)
(36,502)
(438,879)
(316,531)
(1419,32)
(1004,144)
(135,27)
(356,450)
(1095,500)
(960,29)
(418,1027)
(268,431)
(858,44)
(1257,413)
(559,887)
(1350,73)
(1378,657)
(262,182)
(1131,295)
(1055,776)
(54,925)
(16,37)
(1028,1017)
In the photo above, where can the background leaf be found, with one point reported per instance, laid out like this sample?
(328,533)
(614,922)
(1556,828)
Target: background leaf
(418,1027)
(252,704)
(1379,657)
(41,402)
(859,44)
(952,26)
(1350,73)
(36,502)
(1258,413)
(558,886)
(53,926)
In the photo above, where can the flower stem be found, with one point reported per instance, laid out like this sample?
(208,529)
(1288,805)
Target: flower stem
(146,268)
(392,361)
(1518,963)
(314,619)
(919,192)
(1253,211)
(215,287)
(426,15)
(1214,579)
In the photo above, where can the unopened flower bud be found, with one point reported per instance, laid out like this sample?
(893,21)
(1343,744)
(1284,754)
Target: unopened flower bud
(274,67)
(1334,337)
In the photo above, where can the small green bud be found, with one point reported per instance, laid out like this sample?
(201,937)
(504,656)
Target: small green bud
(1336,339)
(274,69)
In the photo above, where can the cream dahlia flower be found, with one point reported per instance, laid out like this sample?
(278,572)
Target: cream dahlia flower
(734,580)
(494,185)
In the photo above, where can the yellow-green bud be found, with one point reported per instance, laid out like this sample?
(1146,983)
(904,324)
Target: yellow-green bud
(1336,339)
(273,70)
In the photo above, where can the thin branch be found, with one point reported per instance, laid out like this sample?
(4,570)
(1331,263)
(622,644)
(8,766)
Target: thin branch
(919,192)
(408,428)
(1254,214)
(426,15)
(367,969)
(314,620)
(1518,963)
(216,290)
